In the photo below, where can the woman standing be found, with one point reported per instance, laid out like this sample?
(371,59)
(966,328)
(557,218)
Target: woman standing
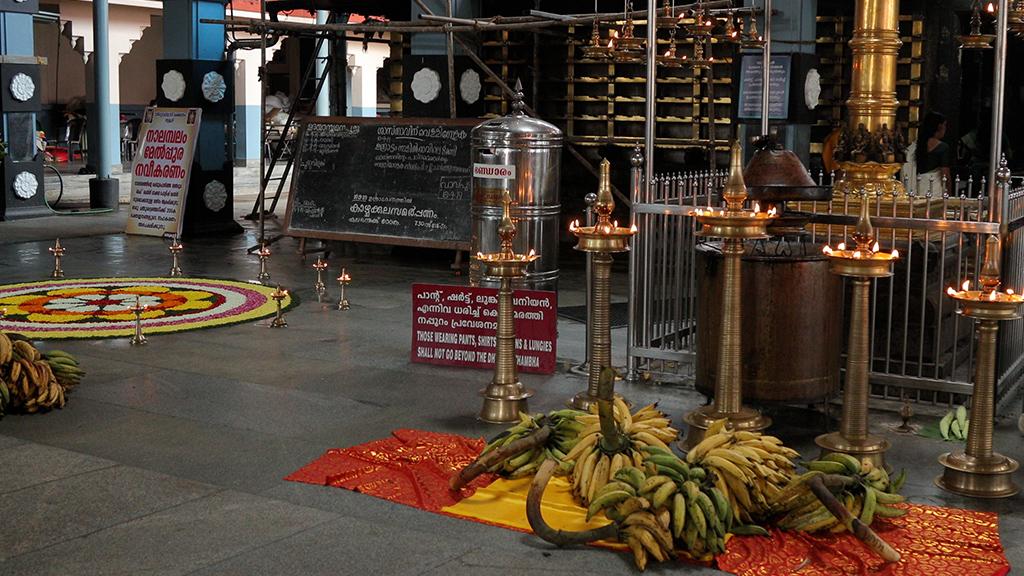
(933,156)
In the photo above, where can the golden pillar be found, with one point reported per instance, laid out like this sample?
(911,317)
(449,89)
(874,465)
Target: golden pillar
(871,149)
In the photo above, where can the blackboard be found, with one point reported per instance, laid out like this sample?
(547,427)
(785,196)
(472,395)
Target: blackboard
(403,181)
(751,80)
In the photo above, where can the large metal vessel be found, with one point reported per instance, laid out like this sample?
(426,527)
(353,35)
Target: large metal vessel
(523,156)
(792,326)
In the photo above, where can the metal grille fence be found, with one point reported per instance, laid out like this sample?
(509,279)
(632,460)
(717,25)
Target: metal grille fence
(922,350)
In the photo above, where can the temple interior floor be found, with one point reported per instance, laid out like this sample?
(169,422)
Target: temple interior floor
(170,458)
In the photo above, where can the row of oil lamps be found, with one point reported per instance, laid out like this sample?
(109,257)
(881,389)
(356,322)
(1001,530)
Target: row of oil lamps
(624,47)
(263,277)
(976,471)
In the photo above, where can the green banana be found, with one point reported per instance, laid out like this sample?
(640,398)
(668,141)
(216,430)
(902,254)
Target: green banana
(750,530)
(961,416)
(827,466)
(696,516)
(852,464)
(632,476)
(963,429)
(898,481)
(887,498)
(526,469)
(517,461)
(697,473)
(708,509)
(721,505)
(663,493)
(671,473)
(614,485)
(690,534)
(670,461)
(954,430)
(652,450)
(606,500)
(867,511)
(944,425)
(678,514)
(652,483)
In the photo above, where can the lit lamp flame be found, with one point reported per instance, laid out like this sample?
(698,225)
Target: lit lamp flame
(480,255)
(773,211)
(827,250)
(633,229)
(1009,291)
(574,225)
(857,254)
(842,246)
(895,253)
(990,8)
(757,206)
(950,291)
(875,247)
(992,296)
(966,285)
(532,253)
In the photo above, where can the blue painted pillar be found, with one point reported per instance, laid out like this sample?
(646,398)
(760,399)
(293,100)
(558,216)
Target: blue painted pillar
(103,190)
(194,55)
(21,170)
(323,101)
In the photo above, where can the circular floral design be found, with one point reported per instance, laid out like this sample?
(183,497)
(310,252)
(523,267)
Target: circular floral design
(215,196)
(22,87)
(214,87)
(25,185)
(102,308)
(426,85)
(470,86)
(173,85)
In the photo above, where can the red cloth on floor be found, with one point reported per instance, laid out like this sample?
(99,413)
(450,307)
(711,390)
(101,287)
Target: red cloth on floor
(413,466)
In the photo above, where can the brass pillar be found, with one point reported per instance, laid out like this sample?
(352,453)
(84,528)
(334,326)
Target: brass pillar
(870,151)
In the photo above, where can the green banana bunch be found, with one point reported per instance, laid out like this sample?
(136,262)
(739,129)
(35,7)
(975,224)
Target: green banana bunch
(866,492)
(565,428)
(954,424)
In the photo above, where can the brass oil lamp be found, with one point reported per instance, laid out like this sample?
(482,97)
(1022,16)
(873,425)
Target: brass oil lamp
(505,397)
(977,470)
(861,264)
(58,252)
(628,48)
(319,287)
(597,49)
(601,240)
(175,249)
(734,225)
(976,40)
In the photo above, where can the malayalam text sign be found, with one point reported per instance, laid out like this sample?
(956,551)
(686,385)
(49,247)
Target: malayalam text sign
(457,326)
(161,169)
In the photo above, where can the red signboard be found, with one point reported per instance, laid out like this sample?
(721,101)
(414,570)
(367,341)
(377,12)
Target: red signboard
(457,326)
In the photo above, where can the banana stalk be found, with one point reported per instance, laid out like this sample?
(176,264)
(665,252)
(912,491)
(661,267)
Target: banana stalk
(612,440)
(862,531)
(486,461)
(541,528)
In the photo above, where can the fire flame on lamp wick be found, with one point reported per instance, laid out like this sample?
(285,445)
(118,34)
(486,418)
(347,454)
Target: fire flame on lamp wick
(841,251)
(992,296)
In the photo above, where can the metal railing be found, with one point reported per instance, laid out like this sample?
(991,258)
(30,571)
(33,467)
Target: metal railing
(922,350)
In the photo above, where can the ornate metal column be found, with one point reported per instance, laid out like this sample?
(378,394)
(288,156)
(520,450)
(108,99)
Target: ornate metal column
(870,151)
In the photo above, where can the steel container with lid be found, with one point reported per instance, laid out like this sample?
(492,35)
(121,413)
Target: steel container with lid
(523,156)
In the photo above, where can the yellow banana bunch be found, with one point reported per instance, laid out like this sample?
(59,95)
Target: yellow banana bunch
(594,464)
(31,381)
(748,468)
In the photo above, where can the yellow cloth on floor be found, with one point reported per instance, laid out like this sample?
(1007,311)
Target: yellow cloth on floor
(503,502)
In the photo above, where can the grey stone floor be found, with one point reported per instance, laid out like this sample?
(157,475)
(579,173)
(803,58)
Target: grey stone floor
(169,458)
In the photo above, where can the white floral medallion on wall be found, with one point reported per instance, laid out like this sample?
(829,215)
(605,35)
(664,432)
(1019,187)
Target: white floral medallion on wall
(214,87)
(22,87)
(426,85)
(470,86)
(25,185)
(173,85)
(215,196)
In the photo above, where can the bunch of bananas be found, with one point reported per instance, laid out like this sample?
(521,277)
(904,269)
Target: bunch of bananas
(31,381)
(954,424)
(748,468)
(565,426)
(520,450)
(668,505)
(601,450)
(864,490)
